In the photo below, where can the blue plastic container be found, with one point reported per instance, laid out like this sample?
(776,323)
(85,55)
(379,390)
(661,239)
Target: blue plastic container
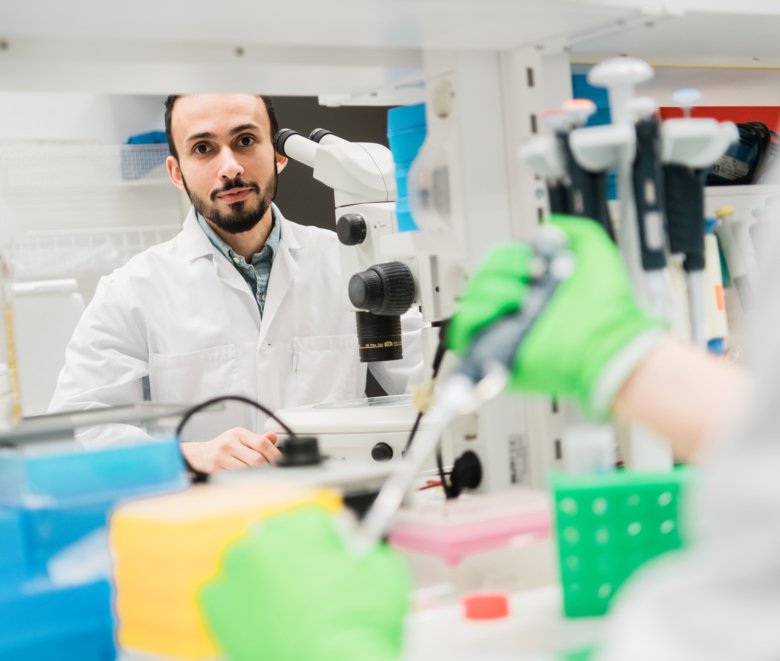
(59,496)
(12,560)
(73,474)
(41,621)
(48,530)
(406,130)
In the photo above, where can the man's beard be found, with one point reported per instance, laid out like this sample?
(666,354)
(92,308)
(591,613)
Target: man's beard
(241,217)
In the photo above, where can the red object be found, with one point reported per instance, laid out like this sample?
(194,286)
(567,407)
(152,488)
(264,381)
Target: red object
(490,606)
(770,115)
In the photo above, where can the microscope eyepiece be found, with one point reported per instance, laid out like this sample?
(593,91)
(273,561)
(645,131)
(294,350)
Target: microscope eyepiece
(318,134)
(281,137)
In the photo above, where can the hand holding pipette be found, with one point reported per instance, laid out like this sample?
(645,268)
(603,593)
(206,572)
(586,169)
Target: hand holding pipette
(535,328)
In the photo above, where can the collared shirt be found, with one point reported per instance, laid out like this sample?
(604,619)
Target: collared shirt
(257,271)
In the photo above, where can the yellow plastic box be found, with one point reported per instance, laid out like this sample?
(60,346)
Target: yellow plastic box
(166,547)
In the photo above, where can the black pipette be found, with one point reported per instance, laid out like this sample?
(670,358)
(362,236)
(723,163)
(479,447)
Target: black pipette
(587,190)
(648,184)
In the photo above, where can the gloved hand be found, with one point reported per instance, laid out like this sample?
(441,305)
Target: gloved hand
(592,334)
(290,590)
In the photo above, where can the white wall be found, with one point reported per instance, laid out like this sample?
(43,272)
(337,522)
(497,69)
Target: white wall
(719,86)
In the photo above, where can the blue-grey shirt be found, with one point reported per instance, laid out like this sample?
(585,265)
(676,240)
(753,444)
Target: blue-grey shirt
(257,271)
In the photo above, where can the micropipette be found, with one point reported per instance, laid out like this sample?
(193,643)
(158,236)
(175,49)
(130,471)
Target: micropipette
(482,374)
(684,202)
(647,178)
(587,190)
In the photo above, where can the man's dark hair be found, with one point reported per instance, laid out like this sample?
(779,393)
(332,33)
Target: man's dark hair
(171,100)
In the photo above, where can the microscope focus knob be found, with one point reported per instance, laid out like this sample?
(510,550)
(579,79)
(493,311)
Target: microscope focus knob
(384,289)
(351,229)
(382,452)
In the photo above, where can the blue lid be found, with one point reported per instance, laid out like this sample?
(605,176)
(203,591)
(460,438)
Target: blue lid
(709,225)
(716,346)
(56,474)
(148,138)
(405,117)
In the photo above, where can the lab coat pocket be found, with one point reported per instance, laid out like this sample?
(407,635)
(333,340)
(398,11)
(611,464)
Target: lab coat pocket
(327,368)
(195,376)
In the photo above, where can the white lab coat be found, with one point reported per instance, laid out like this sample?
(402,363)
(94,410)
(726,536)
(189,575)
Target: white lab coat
(181,314)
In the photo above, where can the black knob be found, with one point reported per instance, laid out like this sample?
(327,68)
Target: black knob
(466,473)
(351,229)
(382,452)
(385,289)
(365,290)
(300,451)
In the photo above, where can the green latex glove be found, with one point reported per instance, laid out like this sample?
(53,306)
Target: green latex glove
(590,337)
(290,590)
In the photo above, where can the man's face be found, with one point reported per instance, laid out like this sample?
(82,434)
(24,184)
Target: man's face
(226,161)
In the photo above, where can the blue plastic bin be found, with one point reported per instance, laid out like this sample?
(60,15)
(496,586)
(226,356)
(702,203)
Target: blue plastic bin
(39,621)
(57,474)
(12,560)
(58,496)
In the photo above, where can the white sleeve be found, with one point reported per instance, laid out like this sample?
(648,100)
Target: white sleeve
(719,600)
(399,376)
(106,361)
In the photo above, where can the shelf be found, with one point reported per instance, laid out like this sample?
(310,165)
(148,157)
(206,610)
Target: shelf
(350,47)
(338,47)
(694,39)
(361,49)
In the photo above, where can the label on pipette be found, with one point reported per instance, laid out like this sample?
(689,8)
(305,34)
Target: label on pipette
(729,167)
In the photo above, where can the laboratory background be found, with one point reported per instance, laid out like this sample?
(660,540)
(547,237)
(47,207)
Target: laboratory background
(513,394)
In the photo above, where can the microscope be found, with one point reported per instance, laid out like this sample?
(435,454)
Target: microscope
(380,283)
(363,182)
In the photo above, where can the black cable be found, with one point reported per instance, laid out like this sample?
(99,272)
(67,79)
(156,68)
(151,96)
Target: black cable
(441,349)
(199,476)
(412,433)
(448,493)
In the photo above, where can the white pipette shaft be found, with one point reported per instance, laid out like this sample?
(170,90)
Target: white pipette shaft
(456,395)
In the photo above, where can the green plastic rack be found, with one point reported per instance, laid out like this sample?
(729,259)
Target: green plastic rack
(608,525)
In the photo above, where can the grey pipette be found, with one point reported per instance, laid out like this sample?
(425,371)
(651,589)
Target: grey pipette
(482,374)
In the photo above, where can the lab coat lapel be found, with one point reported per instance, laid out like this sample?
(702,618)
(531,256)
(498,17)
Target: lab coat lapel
(230,276)
(283,272)
(196,245)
